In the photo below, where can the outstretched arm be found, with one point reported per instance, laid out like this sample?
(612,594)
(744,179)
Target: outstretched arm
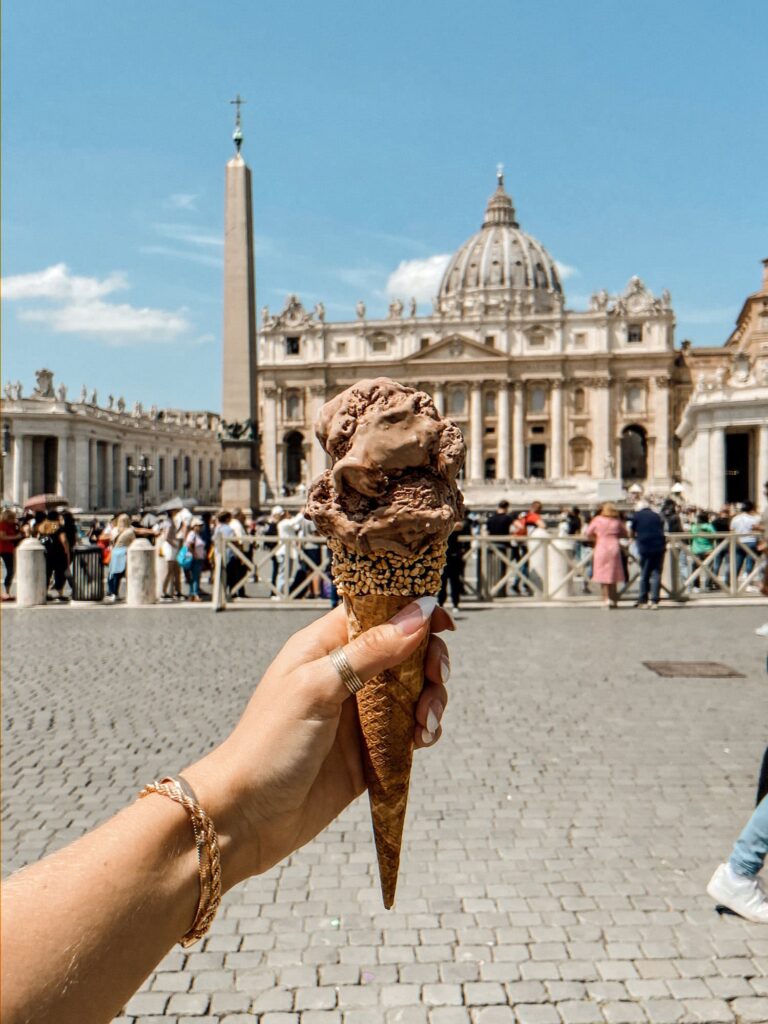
(82,928)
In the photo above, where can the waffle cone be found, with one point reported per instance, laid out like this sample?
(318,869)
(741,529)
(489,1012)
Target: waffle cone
(374,590)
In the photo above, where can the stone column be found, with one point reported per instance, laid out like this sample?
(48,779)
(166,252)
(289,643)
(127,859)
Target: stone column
(31,576)
(716,467)
(317,459)
(762,459)
(81,496)
(556,463)
(518,431)
(62,469)
(660,468)
(18,470)
(109,483)
(476,432)
(502,412)
(438,393)
(93,476)
(602,427)
(140,574)
(117,474)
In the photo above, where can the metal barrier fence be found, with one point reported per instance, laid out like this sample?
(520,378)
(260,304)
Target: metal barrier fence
(540,567)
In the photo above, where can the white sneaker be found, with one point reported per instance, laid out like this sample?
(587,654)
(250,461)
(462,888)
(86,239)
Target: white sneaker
(111,598)
(742,894)
(762,630)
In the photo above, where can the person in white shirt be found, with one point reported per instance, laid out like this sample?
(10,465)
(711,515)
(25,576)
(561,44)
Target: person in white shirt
(746,525)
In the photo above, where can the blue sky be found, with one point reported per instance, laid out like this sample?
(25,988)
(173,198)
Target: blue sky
(633,138)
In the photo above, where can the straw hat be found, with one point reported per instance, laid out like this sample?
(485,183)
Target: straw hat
(610,510)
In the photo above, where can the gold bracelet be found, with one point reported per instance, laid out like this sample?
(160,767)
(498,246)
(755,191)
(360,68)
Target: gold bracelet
(207,846)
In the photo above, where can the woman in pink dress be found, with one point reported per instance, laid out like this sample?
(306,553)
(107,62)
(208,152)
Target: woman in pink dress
(607,529)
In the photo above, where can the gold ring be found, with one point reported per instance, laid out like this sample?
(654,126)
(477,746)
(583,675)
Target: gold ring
(349,677)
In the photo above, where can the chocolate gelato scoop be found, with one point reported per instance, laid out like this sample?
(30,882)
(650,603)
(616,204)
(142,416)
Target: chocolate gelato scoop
(392,486)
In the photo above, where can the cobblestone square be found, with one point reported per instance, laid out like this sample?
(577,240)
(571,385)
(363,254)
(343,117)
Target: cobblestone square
(559,840)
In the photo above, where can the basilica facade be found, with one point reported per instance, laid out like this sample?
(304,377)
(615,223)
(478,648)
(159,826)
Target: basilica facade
(550,400)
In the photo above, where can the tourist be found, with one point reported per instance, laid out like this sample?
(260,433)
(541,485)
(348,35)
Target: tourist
(10,536)
(85,926)
(746,525)
(735,884)
(533,517)
(51,535)
(702,546)
(123,535)
(519,552)
(607,530)
(721,522)
(498,526)
(762,544)
(72,536)
(309,555)
(170,544)
(195,545)
(225,535)
(453,573)
(238,569)
(650,540)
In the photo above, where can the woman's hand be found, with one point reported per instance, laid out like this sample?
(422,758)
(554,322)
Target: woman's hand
(293,762)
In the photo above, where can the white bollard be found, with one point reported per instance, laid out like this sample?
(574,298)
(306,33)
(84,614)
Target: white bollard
(31,575)
(141,574)
(160,565)
(558,568)
(537,563)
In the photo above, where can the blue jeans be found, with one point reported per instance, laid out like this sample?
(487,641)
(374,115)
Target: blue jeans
(195,572)
(113,583)
(650,574)
(743,559)
(752,845)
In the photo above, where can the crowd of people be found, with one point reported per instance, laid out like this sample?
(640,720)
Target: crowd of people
(187,542)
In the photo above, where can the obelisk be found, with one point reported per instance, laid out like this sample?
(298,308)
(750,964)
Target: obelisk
(240,435)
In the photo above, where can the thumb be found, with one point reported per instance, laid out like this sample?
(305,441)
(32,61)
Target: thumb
(375,650)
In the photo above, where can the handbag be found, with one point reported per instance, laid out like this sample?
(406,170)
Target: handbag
(184,557)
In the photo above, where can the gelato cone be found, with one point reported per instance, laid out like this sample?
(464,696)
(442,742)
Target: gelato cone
(387,507)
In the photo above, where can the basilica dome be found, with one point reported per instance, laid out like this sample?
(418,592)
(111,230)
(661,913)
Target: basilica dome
(500,267)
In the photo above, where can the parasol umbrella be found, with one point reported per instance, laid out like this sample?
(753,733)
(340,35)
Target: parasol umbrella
(172,505)
(44,502)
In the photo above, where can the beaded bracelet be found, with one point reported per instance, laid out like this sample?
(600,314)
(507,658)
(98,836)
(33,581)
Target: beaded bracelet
(207,846)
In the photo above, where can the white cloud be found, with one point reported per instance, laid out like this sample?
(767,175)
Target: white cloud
(78,307)
(182,254)
(419,279)
(57,282)
(182,201)
(114,323)
(565,270)
(190,234)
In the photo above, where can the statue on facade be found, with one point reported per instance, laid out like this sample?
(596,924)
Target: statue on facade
(320,311)
(153,412)
(609,466)
(236,431)
(360,310)
(121,404)
(412,307)
(719,377)
(137,410)
(95,397)
(8,390)
(43,385)
(83,395)
(61,394)
(395,309)
(666,299)
(599,301)
(110,401)
(266,317)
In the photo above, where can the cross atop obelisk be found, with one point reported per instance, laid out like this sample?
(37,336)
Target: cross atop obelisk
(237,134)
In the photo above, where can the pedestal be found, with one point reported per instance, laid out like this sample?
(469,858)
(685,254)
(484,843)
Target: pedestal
(31,577)
(240,474)
(141,574)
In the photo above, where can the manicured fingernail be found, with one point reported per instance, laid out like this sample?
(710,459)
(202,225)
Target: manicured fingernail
(411,618)
(427,737)
(445,669)
(434,716)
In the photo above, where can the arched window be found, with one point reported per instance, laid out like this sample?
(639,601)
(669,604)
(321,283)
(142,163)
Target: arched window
(635,398)
(634,453)
(489,472)
(537,400)
(490,403)
(294,456)
(458,401)
(579,400)
(293,406)
(581,455)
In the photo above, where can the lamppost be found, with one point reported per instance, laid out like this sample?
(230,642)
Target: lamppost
(143,472)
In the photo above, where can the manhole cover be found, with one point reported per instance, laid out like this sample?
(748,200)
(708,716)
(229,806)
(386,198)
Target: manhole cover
(693,670)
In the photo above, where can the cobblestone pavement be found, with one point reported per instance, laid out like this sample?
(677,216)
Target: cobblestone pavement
(559,838)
